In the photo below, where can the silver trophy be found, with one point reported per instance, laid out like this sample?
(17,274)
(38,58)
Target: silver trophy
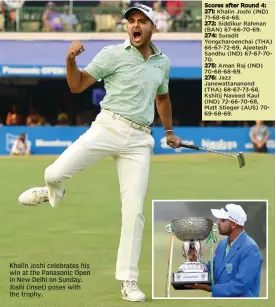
(190,230)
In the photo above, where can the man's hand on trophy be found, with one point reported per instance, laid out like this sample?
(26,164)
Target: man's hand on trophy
(203,287)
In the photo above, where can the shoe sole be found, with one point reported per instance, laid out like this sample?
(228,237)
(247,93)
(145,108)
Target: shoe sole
(27,205)
(32,205)
(130,300)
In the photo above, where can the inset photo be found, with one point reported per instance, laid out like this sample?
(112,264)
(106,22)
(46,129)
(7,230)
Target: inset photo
(209,249)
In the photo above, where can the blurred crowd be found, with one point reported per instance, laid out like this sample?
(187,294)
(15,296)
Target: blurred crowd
(55,21)
(171,16)
(34,117)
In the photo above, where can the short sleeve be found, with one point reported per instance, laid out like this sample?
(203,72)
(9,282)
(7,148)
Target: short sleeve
(164,87)
(101,66)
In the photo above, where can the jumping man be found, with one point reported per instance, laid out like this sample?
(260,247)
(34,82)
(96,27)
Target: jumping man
(135,74)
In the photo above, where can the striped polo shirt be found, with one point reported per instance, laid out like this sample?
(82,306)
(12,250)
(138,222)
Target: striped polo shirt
(131,83)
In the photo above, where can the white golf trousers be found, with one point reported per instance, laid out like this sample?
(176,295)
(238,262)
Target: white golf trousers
(131,148)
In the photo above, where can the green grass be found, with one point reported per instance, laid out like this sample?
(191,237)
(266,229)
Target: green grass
(86,225)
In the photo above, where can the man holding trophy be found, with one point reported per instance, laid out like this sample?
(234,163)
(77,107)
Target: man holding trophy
(237,262)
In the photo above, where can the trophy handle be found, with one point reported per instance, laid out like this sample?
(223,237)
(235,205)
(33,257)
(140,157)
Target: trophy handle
(212,238)
(215,227)
(169,272)
(169,228)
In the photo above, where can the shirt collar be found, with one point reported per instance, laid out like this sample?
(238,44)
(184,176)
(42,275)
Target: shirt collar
(237,238)
(154,47)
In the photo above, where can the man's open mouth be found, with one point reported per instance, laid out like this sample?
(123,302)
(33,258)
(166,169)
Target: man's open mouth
(137,35)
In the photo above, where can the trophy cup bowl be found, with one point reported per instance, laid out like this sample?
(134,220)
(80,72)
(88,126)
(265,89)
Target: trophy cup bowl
(191,230)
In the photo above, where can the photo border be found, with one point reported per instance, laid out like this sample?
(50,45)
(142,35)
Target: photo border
(213,298)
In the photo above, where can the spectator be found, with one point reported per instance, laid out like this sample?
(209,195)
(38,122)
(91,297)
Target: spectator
(1,122)
(2,17)
(125,5)
(14,117)
(34,118)
(121,22)
(174,8)
(259,135)
(69,21)
(198,22)
(161,17)
(63,119)
(183,20)
(82,120)
(86,117)
(12,20)
(51,19)
(93,20)
(79,121)
(21,146)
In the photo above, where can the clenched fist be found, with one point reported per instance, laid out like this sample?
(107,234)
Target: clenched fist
(75,49)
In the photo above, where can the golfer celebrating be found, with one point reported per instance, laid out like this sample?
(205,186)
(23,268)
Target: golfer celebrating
(135,73)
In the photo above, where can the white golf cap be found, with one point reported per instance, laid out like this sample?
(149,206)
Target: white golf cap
(232,212)
(141,8)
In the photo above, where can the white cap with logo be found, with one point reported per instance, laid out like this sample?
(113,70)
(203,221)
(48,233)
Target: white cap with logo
(232,212)
(141,8)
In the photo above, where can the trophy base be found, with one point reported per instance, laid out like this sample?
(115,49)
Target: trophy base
(181,279)
(182,286)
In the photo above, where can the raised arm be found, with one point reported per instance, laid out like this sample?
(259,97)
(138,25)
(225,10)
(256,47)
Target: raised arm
(77,80)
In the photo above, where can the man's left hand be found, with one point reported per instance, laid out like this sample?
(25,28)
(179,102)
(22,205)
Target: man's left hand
(203,287)
(173,140)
